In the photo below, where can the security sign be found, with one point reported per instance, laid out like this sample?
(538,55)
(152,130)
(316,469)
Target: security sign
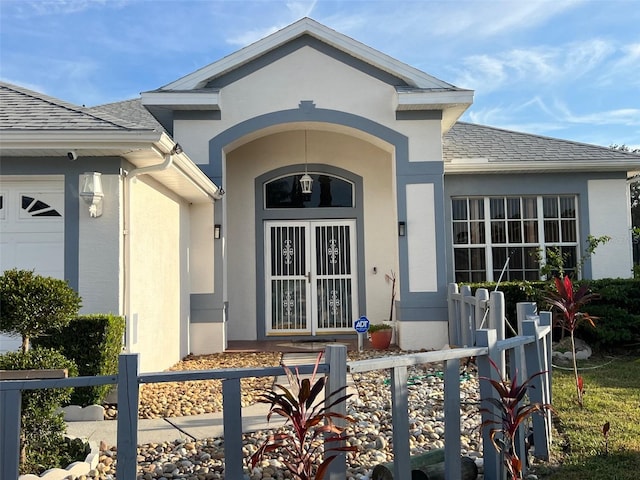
(362,325)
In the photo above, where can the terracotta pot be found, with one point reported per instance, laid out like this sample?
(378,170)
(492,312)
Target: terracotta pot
(381,339)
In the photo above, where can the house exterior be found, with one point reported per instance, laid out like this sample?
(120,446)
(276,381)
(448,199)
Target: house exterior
(238,251)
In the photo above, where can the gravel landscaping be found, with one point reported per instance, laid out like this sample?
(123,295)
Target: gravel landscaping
(372,431)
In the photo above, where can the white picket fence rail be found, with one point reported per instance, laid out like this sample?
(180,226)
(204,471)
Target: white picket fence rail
(527,352)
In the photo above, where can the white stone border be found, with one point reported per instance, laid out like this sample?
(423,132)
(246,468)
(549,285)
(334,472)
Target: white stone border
(74,470)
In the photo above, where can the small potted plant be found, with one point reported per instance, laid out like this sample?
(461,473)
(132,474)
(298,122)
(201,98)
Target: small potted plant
(380,335)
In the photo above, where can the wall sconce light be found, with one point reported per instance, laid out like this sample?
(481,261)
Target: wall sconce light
(216,231)
(402,229)
(92,192)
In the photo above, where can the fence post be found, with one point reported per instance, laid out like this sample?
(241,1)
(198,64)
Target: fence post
(452,462)
(336,357)
(127,416)
(454,315)
(482,309)
(546,320)
(535,365)
(232,427)
(496,321)
(10,417)
(524,310)
(517,373)
(400,419)
(465,318)
(492,458)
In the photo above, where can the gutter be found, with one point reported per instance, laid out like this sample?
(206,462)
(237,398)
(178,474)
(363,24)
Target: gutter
(168,161)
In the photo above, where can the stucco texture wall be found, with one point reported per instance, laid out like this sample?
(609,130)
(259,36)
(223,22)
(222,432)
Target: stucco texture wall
(159,282)
(323,147)
(100,252)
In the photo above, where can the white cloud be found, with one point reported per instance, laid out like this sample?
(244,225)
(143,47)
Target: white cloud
(541,64)
(301,9)
(489,18)
(29,8)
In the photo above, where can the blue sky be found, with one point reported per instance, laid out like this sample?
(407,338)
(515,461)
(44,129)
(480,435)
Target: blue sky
(562,68)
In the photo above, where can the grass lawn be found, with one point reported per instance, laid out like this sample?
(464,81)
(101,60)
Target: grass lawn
(612,395)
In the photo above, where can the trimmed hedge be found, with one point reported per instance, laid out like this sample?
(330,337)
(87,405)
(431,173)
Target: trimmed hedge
(617,309)
(42,428)
(93,342)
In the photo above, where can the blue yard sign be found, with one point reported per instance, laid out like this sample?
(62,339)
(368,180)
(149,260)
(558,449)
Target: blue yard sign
(362,325)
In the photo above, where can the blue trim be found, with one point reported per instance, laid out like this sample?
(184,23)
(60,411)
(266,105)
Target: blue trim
(71,171)
(305,113)
(519,185)
(288,48)
(196,115)
(419,115)
(263,214)
(406,173)
(413,303)
(210,307)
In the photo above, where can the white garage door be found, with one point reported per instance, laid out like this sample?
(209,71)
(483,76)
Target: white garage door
(31,231)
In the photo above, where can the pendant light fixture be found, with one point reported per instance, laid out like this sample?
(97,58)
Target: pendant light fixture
(305,180)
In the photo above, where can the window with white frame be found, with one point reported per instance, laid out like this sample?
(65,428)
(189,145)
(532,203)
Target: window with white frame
(489,230)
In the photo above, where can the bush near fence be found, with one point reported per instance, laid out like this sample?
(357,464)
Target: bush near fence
(93,342)
(42,426)
(618,309)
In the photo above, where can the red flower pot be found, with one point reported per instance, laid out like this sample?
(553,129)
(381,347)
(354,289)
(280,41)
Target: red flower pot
(381,339)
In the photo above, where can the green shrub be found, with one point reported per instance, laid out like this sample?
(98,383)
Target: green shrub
(31,304)
(617,308)
(93,342)
(42,428)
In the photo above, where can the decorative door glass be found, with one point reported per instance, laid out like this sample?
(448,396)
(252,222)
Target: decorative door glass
(333,276)
(289,285)
(311,277)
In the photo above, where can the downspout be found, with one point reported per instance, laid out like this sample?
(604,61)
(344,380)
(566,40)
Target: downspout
(128,178)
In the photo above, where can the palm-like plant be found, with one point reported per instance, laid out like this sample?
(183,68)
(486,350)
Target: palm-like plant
(569,301)
(510,415)
(312,423)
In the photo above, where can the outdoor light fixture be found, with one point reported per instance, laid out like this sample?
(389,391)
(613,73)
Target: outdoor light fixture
(305,180)
(402,229)
(92,192)
(216,231)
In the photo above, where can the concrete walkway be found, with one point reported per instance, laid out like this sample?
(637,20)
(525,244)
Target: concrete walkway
(195,427)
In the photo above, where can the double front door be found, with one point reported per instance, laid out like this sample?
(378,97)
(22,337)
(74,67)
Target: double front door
(311,276)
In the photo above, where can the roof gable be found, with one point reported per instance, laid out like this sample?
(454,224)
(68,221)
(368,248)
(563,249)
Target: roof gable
(311,29)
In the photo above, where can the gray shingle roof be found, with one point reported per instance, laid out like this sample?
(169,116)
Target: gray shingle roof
(470,141)
(22,109)
(129,110)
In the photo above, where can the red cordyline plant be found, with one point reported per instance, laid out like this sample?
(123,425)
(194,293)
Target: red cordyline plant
(312,424)
(510,415)
(569,301)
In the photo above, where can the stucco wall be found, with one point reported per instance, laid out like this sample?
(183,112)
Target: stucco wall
(159,235)
(201,255)
(609,215)
(268,153)
(336,89)
(100,251)
(308,75)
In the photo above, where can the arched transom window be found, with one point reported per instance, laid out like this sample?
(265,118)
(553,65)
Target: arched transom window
(328,191)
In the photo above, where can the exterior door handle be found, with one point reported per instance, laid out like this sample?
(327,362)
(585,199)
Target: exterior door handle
(308,275)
